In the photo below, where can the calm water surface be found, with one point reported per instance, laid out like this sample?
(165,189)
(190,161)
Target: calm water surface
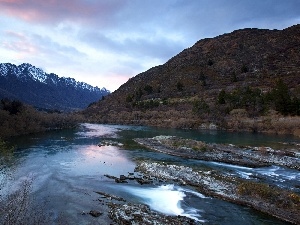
(67,167)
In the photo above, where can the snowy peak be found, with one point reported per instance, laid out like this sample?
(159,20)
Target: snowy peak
(26,72)
(36,87)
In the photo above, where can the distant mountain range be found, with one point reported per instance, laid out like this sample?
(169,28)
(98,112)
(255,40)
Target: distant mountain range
(226,82)
(33,86)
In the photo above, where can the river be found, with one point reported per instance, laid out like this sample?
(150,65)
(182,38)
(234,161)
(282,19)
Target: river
(67,167)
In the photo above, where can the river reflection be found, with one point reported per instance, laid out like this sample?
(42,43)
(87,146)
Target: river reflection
(67,167)
(95,160)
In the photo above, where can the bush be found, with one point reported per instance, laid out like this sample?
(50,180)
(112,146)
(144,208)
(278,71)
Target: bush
(28,120)
(273,195)
(129,98)
(210,62)
(179,86)
(221,97)
(244,69)
(202,79)
(13,107)
(247,98)
(200,107)
(234,77)
(281,100)
(148,89)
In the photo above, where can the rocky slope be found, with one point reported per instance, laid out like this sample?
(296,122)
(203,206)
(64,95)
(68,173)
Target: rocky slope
(185,91)
(35,87)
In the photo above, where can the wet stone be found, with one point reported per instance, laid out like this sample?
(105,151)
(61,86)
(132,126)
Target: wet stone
(122,177)
(142,181)
(118,180)
(95,213)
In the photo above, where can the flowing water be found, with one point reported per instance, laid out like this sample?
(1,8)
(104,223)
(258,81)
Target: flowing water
(67,167)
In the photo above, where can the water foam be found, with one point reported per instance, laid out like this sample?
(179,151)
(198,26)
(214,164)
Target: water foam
(167,199)
(231,166)
(279,173)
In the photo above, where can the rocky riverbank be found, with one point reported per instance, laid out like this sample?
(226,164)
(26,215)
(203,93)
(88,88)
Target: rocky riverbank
(269,199)
(122,212)
(244,156)
(141,214)
(274,201)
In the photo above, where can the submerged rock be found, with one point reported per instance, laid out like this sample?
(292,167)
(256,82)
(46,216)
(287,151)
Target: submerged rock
(110,197)
(109,143)
(95,213)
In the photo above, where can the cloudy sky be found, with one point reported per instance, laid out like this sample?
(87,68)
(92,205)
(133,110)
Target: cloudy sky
(105,42)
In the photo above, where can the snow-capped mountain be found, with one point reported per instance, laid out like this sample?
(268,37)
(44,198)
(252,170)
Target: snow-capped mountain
(33,86)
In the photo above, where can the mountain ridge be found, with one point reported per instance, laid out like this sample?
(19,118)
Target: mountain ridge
(34,86)
(166,95)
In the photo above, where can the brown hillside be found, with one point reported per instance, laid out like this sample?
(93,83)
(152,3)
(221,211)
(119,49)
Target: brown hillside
(184,91)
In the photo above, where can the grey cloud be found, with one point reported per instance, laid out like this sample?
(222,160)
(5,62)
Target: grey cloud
(192,20)
(156,47)
(210,18)
(135,32)
(56,11)
(40,48)
(48,46)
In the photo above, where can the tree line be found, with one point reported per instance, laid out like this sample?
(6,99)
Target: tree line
(257,103)
(17,118)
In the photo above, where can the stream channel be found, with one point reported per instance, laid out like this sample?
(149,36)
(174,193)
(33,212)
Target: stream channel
(67,167)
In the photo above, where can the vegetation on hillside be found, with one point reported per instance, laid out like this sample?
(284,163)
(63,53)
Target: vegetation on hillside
(246,80)
(256,103)
(17,118)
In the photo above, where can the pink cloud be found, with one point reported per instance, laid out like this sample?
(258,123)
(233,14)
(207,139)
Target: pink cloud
(15,35)
(59,10)
(18,42)
(10,1)
(20,47)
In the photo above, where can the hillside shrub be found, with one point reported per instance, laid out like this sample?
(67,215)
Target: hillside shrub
(282,101)
(202,79)
(29,120)
(234,77)
(257,103)
(244,69)
(247,98)
(179,86)
(148,88)
(210,62)
(13,107)
(200,107)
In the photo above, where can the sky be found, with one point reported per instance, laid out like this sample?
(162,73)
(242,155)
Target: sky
(106,42)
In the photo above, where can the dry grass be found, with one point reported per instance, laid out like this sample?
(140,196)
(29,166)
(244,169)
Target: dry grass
(268,124)
(280,198)
(178,113)
(175,142)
